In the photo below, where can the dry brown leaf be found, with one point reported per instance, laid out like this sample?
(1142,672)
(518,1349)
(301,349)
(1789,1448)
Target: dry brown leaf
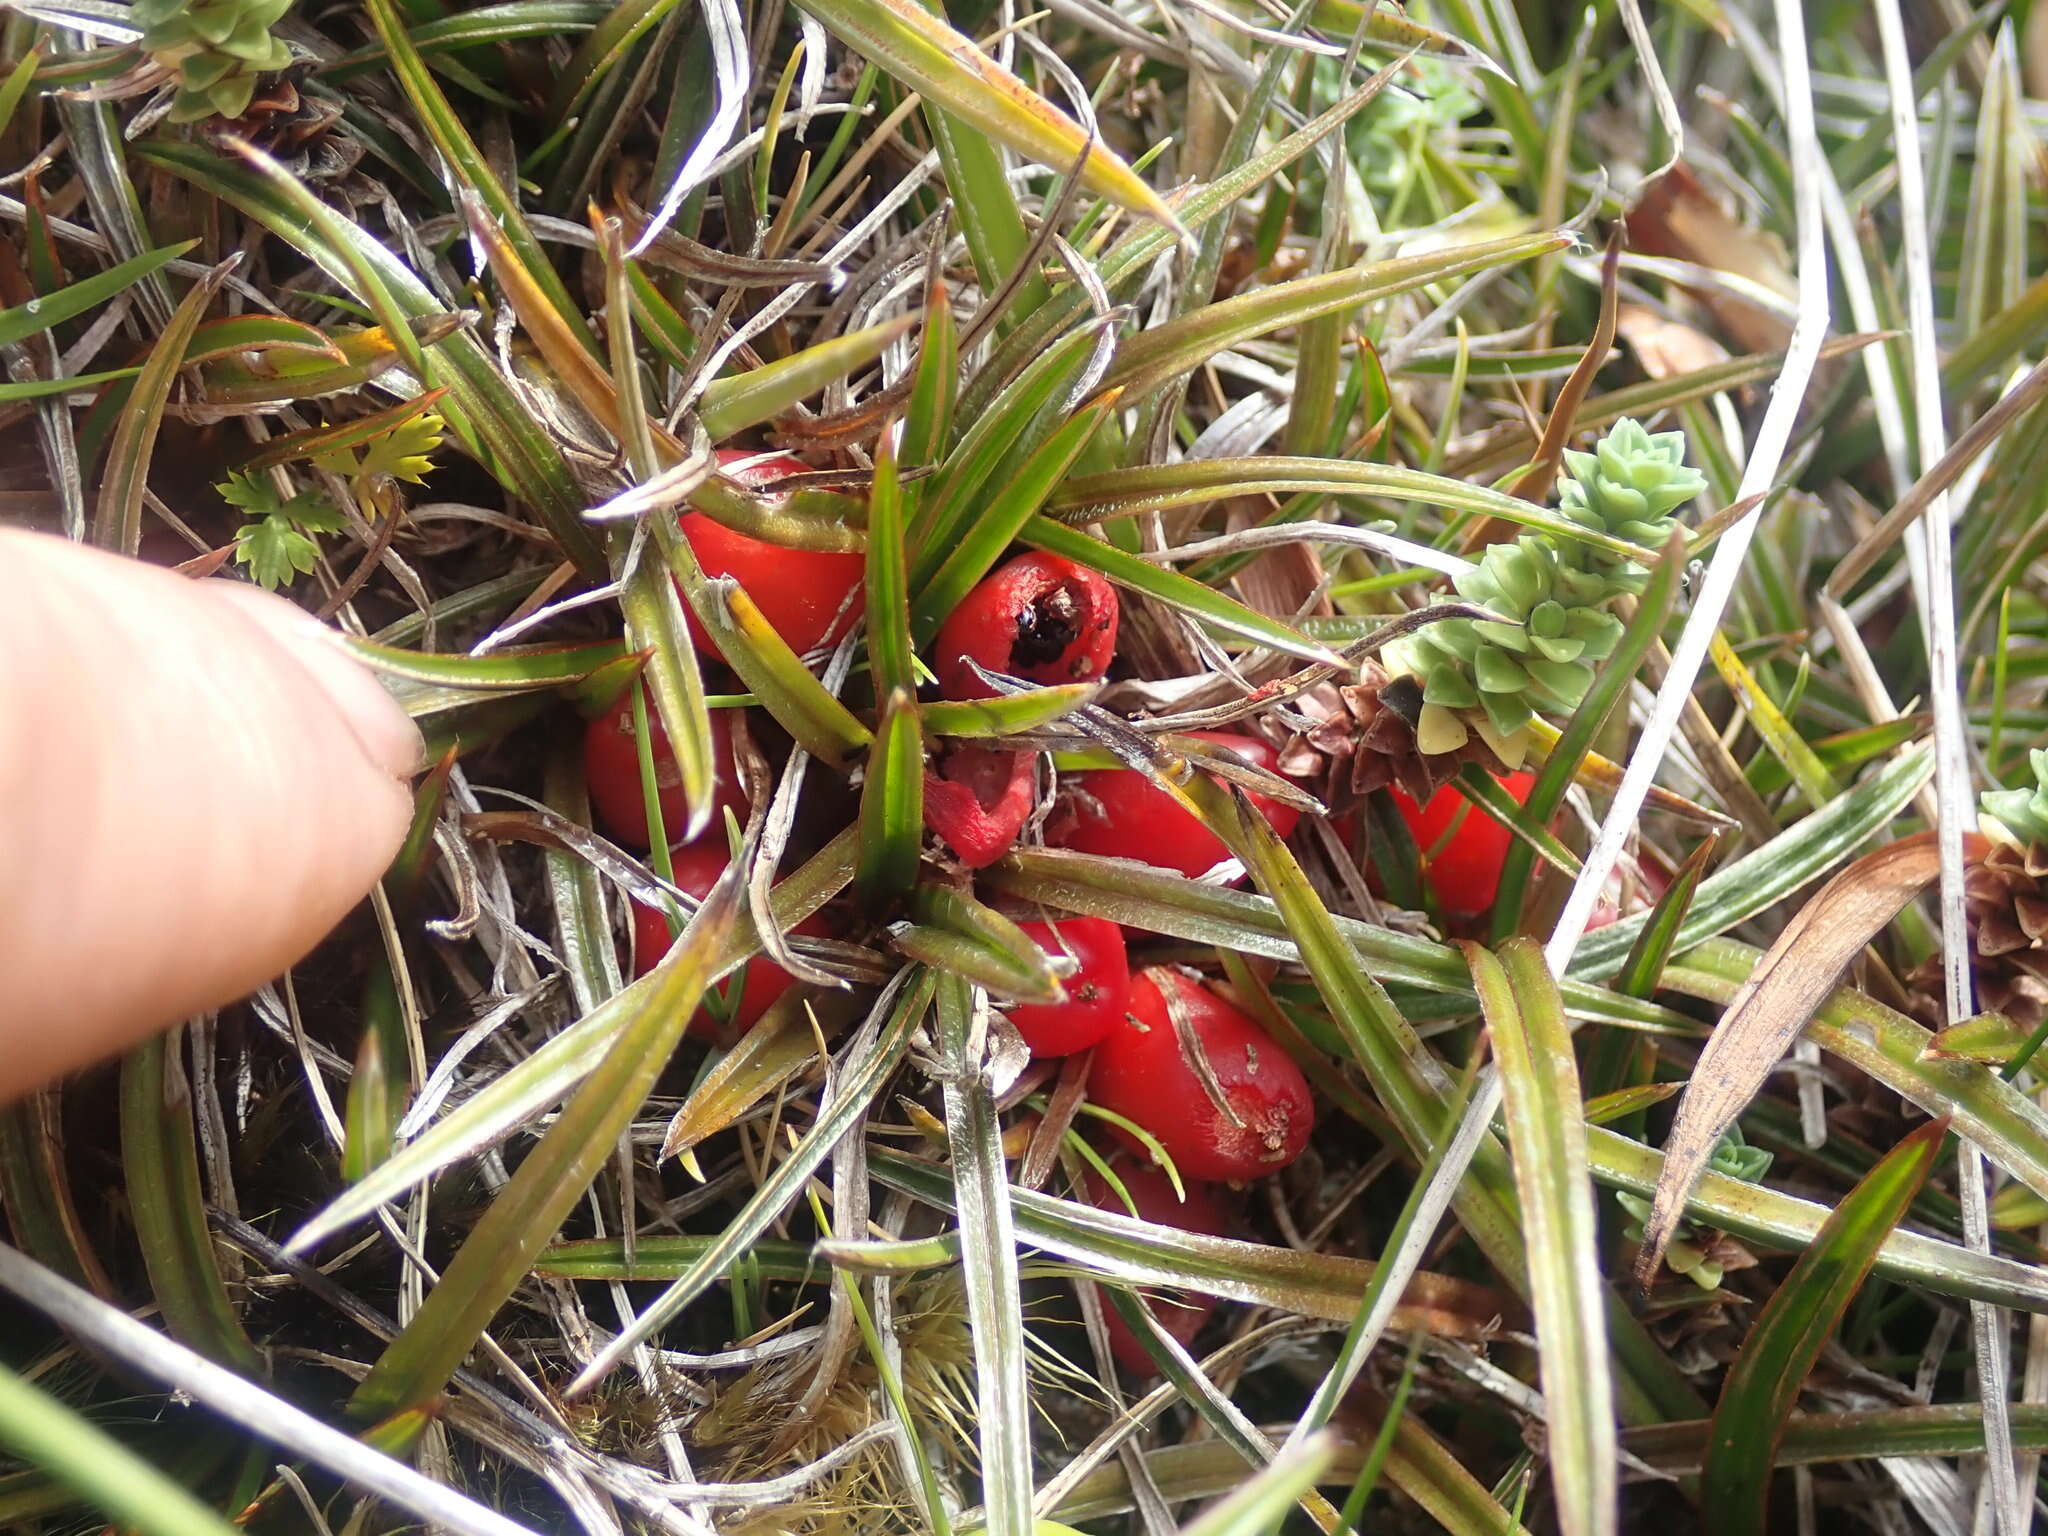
(1679,218)
(1763,1019)
(1666,348)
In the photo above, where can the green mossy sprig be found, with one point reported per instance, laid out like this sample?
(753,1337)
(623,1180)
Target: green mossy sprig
(217,47)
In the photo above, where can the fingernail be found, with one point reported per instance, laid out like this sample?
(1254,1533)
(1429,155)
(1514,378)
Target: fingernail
(388,735)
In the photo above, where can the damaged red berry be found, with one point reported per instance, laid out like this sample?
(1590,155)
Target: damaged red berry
(808,596)
(1464,874)
(755,985)
(1096,992)
(977,800)
(1036,617)
(1153,1199)
(1121,814)
(611,772)
(1142,1073)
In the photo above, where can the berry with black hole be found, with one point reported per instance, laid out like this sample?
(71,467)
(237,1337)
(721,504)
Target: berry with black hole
(611,772)
(808,596)
(1254,1115)
(1464,872)
(1121,814)
(977,800)
(1096,993)
(1037,617)
(755,985)
(1205,1210)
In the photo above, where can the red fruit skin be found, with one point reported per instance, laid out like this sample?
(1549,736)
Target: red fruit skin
(1139,1073)
(1121,814)
(1037,617)
(1205,1211)
(611,772)
(1097,992)
(1465,874)
(697,868)
(808,596)
(978,800)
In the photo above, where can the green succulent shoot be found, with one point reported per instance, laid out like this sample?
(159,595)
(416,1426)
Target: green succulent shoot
(1537,659)
(1732,1156)
(2018,816)
(1630,485)
(1496,677)
(217,47)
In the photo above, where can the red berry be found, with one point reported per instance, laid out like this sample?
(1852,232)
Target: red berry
(1121,814)
(1096,993)
(760,982)
(1152,1195)
(611,772)
(1464,873)
(977,800)
(1037,617)
(1140,1073)
(808,596)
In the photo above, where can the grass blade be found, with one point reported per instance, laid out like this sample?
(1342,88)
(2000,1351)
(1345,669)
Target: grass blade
(160,1155)
(988,1252)
(1764,1382)
(529,1211)
(880,1052)
(98,1467)
(1547,1135)
(117,520)
(944,67)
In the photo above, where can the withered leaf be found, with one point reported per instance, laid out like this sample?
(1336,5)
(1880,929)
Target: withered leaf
(1763,1018)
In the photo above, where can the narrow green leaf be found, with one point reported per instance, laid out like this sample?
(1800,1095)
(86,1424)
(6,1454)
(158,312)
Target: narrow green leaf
(890,656)
(928,420)
(547,1076)
(160,1158)
(988,1260)
(500,1249)
(892,802)
(1160,487)
(73,299)
(1135,1252)
(1765,876)
(772,672)
(656,625)
(1642,971)
(117,520)
(377,1091)
(664,1258)
(738,401)
(99,1468)
(432,112)
(1763,1384)
(1259,1507)
(1547,1136)
(1006,716)
(947,69)
(78,383)
(948,501)
(878,1057)
(1150,358)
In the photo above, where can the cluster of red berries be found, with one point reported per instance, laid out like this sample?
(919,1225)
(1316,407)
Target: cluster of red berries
(1222,1099)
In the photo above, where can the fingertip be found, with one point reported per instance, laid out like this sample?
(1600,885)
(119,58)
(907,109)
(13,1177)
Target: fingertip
(200,788)
(388,736)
